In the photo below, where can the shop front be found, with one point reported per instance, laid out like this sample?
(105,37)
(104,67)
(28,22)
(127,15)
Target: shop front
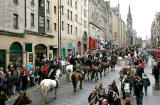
(16,53)
(40,51)
(92,44)
(70,49)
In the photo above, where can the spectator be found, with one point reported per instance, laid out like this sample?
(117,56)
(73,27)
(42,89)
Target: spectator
(24,75)
(101,96)
(105,102)
(5,87)
(114,87)
(146,83)
(92,99)
(10,84)
(63,64)
(99,87)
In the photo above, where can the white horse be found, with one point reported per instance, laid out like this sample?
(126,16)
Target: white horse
(69,70)
(119,60)
(48,84)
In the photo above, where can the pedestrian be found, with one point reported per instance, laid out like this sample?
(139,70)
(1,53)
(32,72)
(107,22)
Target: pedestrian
(92,99)
(140,70)
(3,96)
(63,65)
(99,87)
(101,96)
(146,83)
(139,91)
(127,101)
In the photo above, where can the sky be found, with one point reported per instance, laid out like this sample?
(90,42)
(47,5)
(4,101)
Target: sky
(143,13)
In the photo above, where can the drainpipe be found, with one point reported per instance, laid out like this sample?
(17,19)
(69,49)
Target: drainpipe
(59,28)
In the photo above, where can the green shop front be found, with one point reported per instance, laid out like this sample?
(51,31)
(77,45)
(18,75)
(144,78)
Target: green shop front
(68,51)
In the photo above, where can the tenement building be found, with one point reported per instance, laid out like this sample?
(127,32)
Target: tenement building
(28,31)
(73,22)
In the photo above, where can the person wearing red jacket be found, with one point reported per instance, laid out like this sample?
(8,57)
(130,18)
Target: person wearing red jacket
(24,75)
(143,65)
(45,70)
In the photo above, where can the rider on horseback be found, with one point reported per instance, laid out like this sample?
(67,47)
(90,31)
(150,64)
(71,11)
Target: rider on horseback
(78,67)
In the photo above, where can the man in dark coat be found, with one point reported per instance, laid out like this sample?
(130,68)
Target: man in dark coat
(139,91)
(73,62)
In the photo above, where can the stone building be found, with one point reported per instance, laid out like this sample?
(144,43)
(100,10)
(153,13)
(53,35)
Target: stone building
(28,31)
(73,26)
(96,17)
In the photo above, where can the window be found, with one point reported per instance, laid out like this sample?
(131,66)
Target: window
(62,25)
(71,2)
(68,13)
(68,28)
(54,9)
(55,26)
(76,18)
(71,15)
(62,10)
(32,3)
(47,5)
(15,20)
(76,30)
(68,2)
(75,5)
(85,2)
(71,29)
(41,21)
(42,3)
(15,1)
(48,24)
(32,19)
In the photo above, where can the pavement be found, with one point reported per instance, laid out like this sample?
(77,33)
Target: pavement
(65,94)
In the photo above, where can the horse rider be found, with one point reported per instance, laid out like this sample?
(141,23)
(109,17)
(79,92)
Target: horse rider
(78,67)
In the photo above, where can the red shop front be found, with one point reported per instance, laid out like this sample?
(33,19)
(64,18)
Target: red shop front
(92,44)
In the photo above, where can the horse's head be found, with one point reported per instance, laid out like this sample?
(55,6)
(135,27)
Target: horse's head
(58,73)
(23,99)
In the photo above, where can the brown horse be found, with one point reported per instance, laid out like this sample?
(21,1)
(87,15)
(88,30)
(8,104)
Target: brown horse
(86,69)
(23,99)
(75,77)
(95,71)
(105,66)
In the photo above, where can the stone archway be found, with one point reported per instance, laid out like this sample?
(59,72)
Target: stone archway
(79,46)
(85,40)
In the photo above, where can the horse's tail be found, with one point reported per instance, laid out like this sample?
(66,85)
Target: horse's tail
(73,78)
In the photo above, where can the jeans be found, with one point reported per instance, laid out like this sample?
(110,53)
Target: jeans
(145,90)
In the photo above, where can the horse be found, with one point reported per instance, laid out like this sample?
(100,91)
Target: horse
(86,69)
(75,77)
(69,70)
(119,60)
(105,65)
(48,84)
(95,71)
(23,99)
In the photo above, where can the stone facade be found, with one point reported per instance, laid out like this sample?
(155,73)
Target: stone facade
(74,26)
(19,28)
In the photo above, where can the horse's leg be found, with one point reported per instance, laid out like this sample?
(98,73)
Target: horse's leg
(88,75)
(55,94)
(43,95)
(80,84)
(97,75)
(104,70)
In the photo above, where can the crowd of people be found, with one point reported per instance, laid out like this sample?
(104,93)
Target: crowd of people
(133,82)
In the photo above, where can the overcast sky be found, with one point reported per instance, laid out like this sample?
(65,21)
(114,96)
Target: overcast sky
(143,12)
